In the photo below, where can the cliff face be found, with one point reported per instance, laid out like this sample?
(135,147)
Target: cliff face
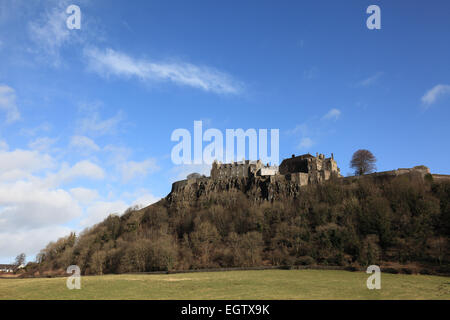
(255,188)
(260,188)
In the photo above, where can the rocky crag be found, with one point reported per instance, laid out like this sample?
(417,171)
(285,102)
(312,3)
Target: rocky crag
(267,188)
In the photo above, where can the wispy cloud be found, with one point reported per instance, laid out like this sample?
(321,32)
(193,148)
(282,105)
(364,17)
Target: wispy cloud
(8,103)
(112,63)
(42,143)
(84,143)
(313,130)
(95,125)
(82,169)
(137,169)
(304,132)
(305,143)
(49,32)
(333,114)
(44,127)
(299,129)
(370,80)
(432,95)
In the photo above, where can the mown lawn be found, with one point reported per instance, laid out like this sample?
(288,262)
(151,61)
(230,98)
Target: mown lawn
(261,284)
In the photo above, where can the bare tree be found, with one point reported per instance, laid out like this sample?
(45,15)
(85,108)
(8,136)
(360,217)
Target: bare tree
(363,162)
(20,259)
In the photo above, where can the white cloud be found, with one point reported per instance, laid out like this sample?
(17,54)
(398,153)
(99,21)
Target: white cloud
(145,200)
(82,169)
(28,205)
(306,133)
(94,125)
(117,154)
(85,168)
(432,95)
(8,103)
(31,210)
(305,143)
(101,209)
(134,169)
(24,161)
(84,195)
(333,114)
(84,143)
(44,127)
(370,80)
(112,63)
(30,242)
(49,32)
(42,143)
(35,208)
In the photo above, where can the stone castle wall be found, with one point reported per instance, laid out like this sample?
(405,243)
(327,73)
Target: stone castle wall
(241,169)
(305,169)
(317,168)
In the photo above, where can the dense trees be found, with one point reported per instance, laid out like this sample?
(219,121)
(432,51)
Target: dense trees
(363,222)
(363,162)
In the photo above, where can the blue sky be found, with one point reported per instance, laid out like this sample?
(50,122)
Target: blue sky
(86,115)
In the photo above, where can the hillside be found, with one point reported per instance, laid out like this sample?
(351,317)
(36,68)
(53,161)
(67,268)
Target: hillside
(243,222)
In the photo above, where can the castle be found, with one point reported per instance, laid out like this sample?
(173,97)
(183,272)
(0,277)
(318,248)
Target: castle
(262,181)
(304,169)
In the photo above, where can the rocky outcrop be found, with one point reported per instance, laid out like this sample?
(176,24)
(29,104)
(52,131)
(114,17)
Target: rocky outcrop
(258,188)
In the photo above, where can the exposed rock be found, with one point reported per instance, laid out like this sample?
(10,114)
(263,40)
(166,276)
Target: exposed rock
(263,188)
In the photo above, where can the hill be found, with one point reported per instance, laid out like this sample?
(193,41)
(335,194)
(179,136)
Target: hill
(400,222)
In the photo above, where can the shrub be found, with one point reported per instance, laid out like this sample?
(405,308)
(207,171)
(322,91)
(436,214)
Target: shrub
(304,261)
(389,270)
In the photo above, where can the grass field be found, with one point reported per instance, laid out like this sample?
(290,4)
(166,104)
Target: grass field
(261,284)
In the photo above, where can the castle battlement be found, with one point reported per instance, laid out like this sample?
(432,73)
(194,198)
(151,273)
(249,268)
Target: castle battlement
(304,168)
(239,169)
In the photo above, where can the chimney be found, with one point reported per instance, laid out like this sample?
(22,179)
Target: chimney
(293,156)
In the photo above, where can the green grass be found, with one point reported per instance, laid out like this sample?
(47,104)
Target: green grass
(261,284)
